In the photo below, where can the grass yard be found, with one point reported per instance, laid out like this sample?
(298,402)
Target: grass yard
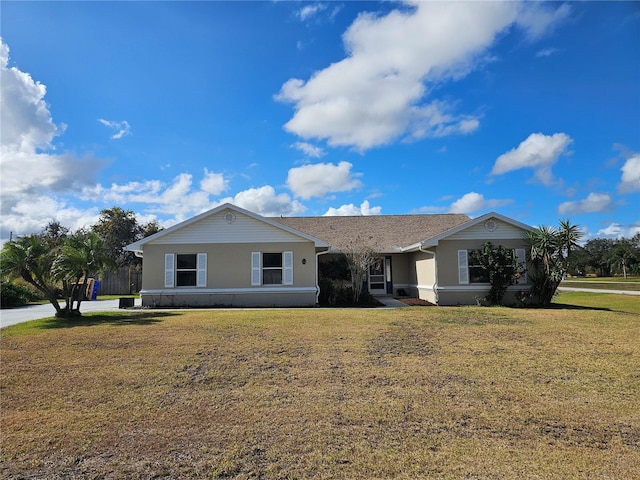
(417,392)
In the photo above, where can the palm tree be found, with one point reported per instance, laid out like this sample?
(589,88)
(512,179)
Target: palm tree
(544,245)
(56,268)
(82,254)
(31,259)
(550,251)
(568,238)
(622,254)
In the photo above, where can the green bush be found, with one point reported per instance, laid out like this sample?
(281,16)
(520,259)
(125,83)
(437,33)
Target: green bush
(14,295)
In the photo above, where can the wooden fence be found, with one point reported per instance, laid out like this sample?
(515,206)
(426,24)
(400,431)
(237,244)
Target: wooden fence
(123,281)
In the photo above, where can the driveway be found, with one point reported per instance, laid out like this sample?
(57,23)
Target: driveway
(12,316)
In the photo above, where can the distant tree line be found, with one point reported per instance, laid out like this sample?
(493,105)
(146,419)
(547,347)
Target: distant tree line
(606,257)
(57,263)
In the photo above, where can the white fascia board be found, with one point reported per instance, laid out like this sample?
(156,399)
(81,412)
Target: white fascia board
(416,246)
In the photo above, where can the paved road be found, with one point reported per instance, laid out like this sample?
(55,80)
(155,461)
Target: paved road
(13,316)
(598,290)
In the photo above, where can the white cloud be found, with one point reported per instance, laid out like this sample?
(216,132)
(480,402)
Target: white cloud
(321,178)
(469,203)
(595,202)
(377,93)
(30,167)
(538,21)
(308,149)
(27,216)
(546,52)
(121,128)
(351,210)
(264,201)
(474,202)
(309,11)
(179,198)
(616,230)
(213,183)
(538,152)
(630,181)
(26,121)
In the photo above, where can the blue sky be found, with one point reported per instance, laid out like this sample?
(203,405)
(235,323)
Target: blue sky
(332,108)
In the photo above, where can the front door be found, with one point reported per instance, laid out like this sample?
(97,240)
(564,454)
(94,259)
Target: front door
(378,277)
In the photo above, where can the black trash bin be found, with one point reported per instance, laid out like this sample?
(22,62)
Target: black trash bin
(126,302)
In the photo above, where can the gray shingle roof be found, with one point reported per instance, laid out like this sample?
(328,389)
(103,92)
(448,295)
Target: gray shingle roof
(384,233)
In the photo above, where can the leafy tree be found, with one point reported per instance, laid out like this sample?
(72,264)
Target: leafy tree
(502,268)
(118,228)
(598,252)
(550,254)
(54,234)
(149,229)
(579,261)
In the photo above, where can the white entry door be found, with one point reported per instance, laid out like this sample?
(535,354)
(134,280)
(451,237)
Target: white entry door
(378,277)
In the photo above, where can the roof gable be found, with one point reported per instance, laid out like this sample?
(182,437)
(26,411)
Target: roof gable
(491,225)
(226,224)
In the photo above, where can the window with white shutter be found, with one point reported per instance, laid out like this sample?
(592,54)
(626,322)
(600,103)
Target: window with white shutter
(256,268)
(287,268)
(169,269)
(202,270)
(463,267)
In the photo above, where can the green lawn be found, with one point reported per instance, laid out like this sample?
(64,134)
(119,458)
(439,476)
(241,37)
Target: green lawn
(417,392)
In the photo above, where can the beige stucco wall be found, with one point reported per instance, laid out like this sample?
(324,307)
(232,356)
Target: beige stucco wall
(422,276)
(448,256)
(450,291)
(228,265)
(229,268)
(400,272)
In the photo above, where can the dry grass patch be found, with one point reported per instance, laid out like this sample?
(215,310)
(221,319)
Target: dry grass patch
(409,393)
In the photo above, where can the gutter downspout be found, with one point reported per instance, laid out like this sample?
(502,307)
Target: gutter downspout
(435,271)
(318,275)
